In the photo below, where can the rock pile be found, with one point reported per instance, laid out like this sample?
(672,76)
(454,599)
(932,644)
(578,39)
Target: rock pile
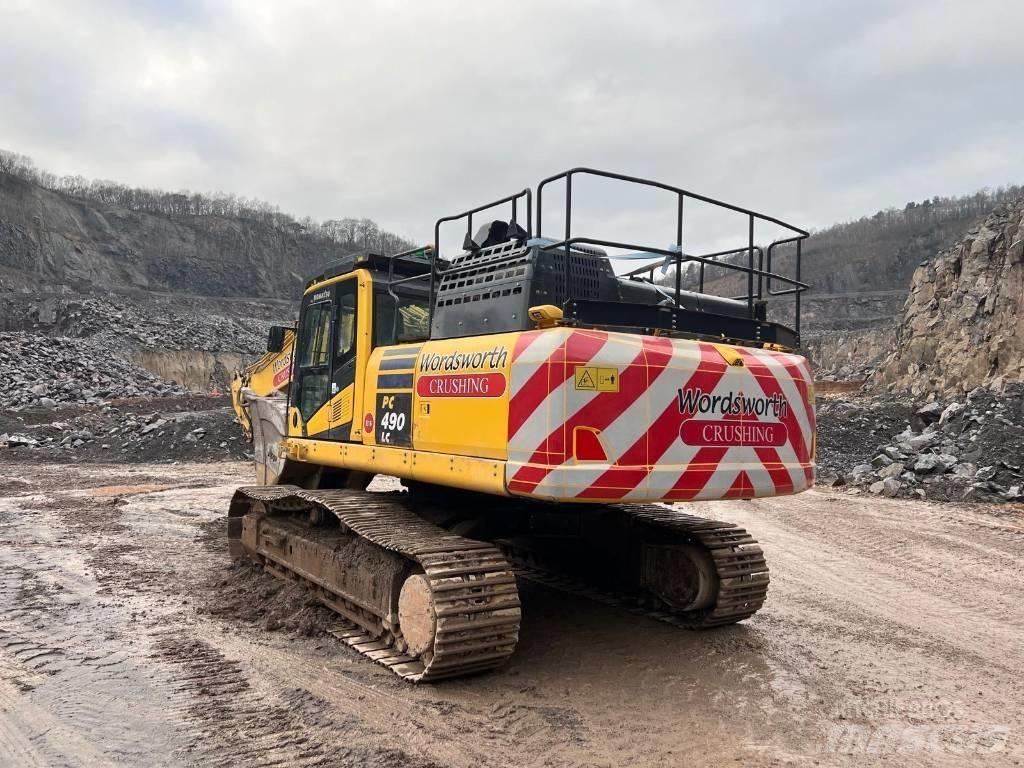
(859,373)
(848,354)
(164,429)
(968,449)
(148,325)
(850,427)
(44,371)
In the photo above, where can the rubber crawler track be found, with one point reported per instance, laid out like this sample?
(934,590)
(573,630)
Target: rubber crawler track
(739,562)
(475,595)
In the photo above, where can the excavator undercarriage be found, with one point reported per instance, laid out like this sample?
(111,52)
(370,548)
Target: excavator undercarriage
(430,603)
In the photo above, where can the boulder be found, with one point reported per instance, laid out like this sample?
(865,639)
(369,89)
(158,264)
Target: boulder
(893,470)
(827,479)
(890,487)
(152,426)
(920,442)
(949,412)
(925,415)
(858,473)
(15,441)
(927,462)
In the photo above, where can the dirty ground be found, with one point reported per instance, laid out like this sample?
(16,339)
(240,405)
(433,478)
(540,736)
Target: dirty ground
(892,634)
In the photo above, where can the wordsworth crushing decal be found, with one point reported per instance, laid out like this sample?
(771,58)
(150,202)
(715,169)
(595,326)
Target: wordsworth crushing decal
(739,423)
(727,433)
(282,371)
(731,404)
(462,374)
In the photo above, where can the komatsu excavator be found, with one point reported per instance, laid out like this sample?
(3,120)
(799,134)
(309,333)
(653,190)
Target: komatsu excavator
(545,417)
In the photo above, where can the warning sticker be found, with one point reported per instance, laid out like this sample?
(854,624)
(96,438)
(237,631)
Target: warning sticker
(593,379)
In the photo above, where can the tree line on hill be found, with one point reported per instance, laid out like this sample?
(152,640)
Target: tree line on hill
(351,233)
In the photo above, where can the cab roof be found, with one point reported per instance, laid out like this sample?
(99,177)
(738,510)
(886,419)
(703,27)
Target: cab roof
(404,265)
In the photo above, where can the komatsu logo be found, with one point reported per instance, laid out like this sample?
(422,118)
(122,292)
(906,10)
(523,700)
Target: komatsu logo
(460,361)
(732,404)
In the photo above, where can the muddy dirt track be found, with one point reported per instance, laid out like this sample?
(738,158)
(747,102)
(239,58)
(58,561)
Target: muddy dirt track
(893,634)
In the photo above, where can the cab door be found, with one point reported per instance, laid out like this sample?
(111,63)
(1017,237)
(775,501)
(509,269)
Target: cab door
(331,350)
(311,387)
(344,365)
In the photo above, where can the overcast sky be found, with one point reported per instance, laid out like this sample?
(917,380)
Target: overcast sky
(404,111)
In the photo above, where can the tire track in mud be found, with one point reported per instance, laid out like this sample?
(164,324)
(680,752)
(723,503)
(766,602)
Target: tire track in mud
(77,670)
(931,578)
(421,717)
(924,550)
(93,648)
(233,722)
(872,587)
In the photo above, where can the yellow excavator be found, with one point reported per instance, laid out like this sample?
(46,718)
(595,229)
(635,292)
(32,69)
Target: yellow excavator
(544,415)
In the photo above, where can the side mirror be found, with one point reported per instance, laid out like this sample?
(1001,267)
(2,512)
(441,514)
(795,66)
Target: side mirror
(275,339)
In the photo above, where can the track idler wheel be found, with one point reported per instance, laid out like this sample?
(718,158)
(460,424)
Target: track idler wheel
(417,616)
(683,575)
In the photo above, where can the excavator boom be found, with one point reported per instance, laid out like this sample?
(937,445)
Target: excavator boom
(259,396)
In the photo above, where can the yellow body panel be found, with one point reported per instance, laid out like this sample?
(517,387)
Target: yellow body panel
(459,393)
(466,472)
(334,413)
(364,340)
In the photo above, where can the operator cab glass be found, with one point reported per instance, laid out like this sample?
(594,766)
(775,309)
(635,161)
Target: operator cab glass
(402,322)
(314,358)
(344,369)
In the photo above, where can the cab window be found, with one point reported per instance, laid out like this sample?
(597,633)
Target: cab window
(345,347)
(410,324)
(314,358)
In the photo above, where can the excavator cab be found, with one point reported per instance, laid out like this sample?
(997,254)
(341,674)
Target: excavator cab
(353,310)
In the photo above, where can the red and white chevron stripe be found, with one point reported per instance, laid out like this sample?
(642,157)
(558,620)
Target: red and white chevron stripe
(640,426)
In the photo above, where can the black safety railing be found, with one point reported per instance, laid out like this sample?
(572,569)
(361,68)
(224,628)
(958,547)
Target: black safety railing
(514,199)
(434,274)
(756,276)
(758,266)
(705,259)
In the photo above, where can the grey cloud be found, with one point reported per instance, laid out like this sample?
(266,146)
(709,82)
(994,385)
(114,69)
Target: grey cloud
(405,111)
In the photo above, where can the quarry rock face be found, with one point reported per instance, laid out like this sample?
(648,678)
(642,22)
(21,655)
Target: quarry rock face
(56,238)
(963,322)
(848,355)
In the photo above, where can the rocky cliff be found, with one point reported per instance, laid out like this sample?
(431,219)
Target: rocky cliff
(47,237)
(963,322)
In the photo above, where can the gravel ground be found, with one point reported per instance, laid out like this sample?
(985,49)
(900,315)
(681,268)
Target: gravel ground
(185,428)
(852,426)
(891,636)
(971,449)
